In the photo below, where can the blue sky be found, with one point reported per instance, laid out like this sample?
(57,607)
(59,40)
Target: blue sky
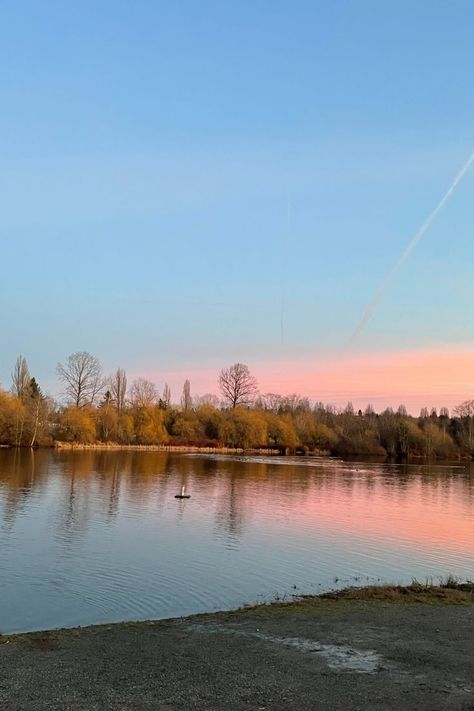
(149,151)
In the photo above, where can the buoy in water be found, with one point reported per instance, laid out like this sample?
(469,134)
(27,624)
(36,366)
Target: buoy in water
(182,495)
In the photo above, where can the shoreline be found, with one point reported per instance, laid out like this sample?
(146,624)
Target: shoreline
(449,592)
(406,648)
(69,446)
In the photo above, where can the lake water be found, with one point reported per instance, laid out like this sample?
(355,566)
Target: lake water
(88,537)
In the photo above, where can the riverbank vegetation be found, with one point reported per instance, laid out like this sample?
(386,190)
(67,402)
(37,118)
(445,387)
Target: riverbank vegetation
(103,409)
(449,592)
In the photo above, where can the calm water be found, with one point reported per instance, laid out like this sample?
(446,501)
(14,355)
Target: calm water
(93,537)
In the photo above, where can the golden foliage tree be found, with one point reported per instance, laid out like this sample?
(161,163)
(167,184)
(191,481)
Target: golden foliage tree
(78,424)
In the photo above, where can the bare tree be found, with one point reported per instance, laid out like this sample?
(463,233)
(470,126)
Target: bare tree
(237,385)
(21,378)
(118,389)
(143,393)
(20,386)
(206,400)
(465,411)
(294,403)
(186,399)
(166,395)
(82,378)
(270,401)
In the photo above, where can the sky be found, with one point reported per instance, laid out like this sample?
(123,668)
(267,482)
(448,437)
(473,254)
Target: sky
(187,185)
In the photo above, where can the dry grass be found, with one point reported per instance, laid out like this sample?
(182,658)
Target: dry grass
(448,591)
(44,641)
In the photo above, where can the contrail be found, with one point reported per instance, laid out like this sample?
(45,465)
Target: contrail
(370,310)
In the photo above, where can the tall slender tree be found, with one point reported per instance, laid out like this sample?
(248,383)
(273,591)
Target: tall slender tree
(37,407)
(186,399)
(118,389)
(20,378)
(166,399)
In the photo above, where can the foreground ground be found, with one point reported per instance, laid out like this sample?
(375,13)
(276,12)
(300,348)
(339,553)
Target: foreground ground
(384,649)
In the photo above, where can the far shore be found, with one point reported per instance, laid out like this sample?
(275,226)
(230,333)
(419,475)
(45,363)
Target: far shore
(162,448)
(255,451)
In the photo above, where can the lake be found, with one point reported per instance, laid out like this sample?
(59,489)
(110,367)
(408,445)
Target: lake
(95,536)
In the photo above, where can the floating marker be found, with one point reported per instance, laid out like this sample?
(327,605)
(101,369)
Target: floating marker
(182,495)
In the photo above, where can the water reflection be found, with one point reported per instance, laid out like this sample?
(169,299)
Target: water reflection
(95,536)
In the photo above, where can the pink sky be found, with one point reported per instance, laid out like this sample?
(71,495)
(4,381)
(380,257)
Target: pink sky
(427,377)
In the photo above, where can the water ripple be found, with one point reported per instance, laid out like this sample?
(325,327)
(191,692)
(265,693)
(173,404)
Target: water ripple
(92,537)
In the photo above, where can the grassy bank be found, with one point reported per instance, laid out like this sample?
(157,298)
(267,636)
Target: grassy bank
(450,591)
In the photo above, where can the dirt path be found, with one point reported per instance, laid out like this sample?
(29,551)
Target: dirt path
(323,654)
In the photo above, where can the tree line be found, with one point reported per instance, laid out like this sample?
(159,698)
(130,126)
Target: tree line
(107,409)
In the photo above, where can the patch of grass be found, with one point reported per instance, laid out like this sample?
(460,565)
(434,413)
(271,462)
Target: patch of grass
(449,591)
(44,641)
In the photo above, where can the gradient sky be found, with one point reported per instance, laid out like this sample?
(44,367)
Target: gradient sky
(149,153)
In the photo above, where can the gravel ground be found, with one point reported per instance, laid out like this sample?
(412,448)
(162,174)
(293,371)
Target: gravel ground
(329,654)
